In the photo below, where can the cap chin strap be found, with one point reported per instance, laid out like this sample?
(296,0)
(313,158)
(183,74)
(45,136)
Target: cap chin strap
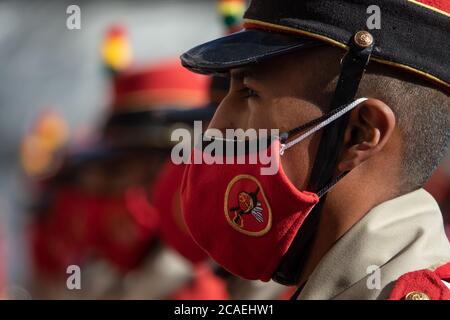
(323,173)
(316,125)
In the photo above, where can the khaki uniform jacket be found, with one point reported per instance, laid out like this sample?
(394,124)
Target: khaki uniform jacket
(398,236)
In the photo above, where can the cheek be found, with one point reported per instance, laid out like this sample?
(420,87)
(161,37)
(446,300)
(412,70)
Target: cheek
(298,161)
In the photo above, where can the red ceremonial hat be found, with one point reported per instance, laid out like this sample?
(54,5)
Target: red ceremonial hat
(159,85)
(146,102)
(146,86)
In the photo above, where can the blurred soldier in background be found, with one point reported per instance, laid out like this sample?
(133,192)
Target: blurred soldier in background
(93,208)
(94,212)
(198,283)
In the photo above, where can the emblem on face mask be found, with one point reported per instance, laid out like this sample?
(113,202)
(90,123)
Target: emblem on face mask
(246,206)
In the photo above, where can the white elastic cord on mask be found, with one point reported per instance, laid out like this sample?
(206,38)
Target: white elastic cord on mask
(326,122)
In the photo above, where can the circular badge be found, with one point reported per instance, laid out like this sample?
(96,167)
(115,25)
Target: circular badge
(246,207)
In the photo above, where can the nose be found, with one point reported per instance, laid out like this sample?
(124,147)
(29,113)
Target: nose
(231,114)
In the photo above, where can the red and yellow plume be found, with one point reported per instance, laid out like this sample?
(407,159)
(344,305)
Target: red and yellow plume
(232,12)
(39,148)
(116,49)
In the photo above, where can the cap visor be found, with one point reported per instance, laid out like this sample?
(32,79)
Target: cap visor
(242,48)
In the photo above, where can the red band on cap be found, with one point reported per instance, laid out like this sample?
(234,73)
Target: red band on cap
(443,5)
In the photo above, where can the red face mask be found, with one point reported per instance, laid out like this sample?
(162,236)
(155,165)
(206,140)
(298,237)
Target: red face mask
(244,220)
(167,200)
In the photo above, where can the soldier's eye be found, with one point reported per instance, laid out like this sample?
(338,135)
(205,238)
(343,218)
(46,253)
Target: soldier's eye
(248,92)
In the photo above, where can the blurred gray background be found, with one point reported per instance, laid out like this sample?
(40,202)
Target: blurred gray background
(43,64)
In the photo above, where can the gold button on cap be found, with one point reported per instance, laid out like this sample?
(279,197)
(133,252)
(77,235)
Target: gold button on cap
(417,295)
(363,39)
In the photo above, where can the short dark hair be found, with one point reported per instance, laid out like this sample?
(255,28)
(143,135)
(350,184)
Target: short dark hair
(422,111)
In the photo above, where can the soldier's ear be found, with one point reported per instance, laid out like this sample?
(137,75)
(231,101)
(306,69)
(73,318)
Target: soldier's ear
(369,129)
